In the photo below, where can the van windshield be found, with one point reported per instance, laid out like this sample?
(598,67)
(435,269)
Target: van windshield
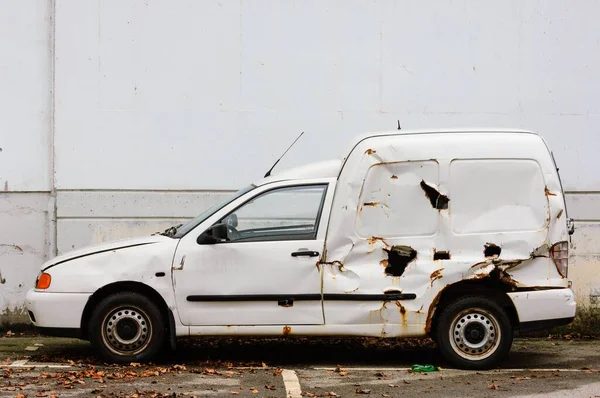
(193,223)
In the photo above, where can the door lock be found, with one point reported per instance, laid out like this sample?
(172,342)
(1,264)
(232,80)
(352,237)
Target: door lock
(286,302)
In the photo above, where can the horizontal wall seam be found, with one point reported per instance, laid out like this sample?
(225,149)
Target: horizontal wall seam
(150,190)
(116,218)
(22,192)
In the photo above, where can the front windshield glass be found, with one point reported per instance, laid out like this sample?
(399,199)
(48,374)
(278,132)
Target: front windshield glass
(193,223)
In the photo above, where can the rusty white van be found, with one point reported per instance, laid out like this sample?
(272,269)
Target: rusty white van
(461,235)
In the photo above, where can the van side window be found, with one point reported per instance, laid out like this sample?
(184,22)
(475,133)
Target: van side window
(393,202)
(290,213)
(496,195)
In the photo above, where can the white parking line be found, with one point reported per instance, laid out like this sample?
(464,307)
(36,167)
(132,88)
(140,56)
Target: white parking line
(291,383)
(24,363)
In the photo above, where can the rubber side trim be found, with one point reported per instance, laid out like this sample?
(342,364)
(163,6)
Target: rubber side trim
(301,297)
(544,324)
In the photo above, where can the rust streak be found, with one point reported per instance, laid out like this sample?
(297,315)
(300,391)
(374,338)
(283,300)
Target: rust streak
(435,275)
(374,239)
(384,262)
(548,193)
(394,177)
(372,204)
(370,151)
(431,312)
(402,309)
(287,330)
(560,213)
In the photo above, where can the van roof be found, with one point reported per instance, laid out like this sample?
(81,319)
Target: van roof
(483,130)
(332,167)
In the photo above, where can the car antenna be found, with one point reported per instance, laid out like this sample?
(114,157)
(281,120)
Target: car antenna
(399,128)
(286,151)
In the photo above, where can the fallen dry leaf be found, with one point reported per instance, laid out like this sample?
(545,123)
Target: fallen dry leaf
(235,393)
(270,387)
(332,394)
(362,391)
(493,386)
(277,372)
(254,391)
(380,374)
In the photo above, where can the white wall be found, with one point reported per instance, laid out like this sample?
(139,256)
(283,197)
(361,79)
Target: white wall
(160,107)
(25,148)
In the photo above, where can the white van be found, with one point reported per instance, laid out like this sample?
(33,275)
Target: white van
(460,235)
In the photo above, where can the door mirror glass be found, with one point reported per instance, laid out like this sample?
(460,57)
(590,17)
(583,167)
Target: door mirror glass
(215,234)
(231,220)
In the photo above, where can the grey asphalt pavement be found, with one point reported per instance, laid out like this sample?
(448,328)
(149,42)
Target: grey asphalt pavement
(35,366)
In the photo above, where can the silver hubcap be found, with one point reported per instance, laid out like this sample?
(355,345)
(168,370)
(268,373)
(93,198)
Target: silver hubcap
(126,331)
(475,334)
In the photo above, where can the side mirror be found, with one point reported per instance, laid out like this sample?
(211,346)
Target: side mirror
(215,234)
(231,220)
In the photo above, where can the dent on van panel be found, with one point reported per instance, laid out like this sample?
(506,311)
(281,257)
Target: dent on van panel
(392,203)
(398,258)
(438,201)
(491,250)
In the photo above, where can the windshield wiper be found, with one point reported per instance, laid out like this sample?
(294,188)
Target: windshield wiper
(171,231)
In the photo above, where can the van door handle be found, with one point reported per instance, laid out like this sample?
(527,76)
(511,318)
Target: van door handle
(307,253)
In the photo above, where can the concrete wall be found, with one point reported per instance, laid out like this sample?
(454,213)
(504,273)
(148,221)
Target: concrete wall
(122,117)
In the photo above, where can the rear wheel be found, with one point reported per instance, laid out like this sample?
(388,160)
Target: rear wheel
(126,327)
(474,333)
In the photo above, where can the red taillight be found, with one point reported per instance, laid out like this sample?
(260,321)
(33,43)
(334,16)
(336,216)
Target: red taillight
(560,255)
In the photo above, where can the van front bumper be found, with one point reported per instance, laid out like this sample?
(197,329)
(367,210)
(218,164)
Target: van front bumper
(56,314)
(544,309)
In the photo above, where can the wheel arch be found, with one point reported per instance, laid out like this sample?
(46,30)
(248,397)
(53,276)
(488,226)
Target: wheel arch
(129,286)
(497,291)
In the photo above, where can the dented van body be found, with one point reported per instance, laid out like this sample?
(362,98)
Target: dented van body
(461,235)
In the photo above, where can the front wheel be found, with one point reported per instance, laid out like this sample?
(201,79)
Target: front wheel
(474,333)
(126,327)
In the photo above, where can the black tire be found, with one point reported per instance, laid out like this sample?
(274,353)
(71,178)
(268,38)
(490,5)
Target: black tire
(127,327)
(474,333)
